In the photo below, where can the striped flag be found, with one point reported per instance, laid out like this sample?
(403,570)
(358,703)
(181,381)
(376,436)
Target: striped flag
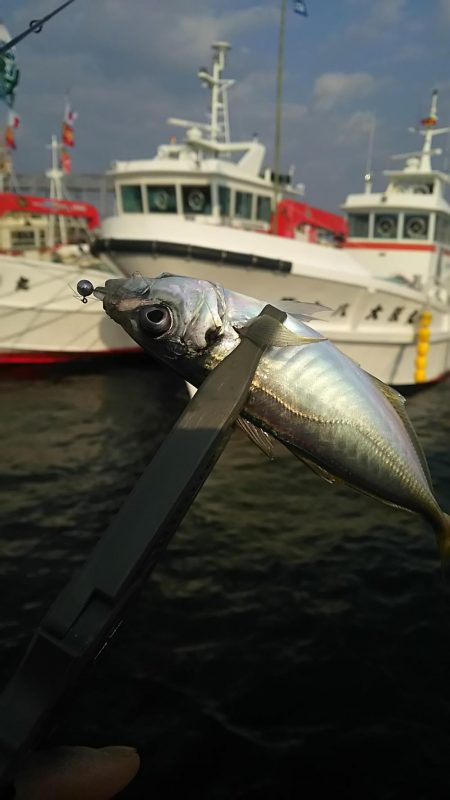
(12,124)
(68,138)
(300,8)
(13,119)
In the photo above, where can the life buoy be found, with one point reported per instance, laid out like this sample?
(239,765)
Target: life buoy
(161,200)
(386,227)
(196,200)
(416,228)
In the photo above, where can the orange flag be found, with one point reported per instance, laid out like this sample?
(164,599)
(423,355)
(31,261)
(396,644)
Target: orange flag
(9,138)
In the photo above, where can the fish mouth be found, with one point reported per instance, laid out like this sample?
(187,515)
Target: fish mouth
(116,289)
(100,292)
(121,296)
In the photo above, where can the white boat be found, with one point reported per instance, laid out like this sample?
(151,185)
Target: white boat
(42,320)
(192,210)
(41,317)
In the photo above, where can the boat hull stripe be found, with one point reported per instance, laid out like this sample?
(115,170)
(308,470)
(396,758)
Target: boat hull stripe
(155,248)
(427,248)
(59,357)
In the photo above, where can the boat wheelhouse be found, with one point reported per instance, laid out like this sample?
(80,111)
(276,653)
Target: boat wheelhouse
(403,233)
(193,210)
(25,228)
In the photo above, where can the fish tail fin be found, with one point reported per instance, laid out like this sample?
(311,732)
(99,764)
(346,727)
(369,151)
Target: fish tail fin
(443,537)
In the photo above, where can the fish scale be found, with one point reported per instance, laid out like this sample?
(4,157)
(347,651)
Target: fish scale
(324,435)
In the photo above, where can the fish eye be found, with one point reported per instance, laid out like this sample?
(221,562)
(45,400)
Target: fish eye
(155,320)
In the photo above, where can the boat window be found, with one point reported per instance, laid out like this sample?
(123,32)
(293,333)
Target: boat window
(21,239)
(131,199)
(243,205)
(162,199)
(415,226)
(385,226)
(263,208)
(224,201)
(196,199)
(358,225)
(443,229)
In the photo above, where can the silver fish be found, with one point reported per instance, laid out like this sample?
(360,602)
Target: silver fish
(342,422)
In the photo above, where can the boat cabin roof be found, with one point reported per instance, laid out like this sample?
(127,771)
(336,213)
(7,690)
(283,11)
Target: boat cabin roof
(182,169)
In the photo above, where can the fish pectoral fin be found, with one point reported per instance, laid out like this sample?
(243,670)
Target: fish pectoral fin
(263,440)
(320,471)
(398,402)
(267,332)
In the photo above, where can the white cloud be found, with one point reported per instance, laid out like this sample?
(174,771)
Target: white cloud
(334,88)
(355,128)
(176,33)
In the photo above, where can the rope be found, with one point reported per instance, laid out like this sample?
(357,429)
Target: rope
(35,26)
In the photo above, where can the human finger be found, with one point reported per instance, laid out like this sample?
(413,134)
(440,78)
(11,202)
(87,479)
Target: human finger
(77,773)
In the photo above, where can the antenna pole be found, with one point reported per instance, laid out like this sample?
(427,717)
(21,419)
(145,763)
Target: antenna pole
(278,110)
(368,174)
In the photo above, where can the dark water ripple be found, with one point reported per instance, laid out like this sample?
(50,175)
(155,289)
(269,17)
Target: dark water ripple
(294,640)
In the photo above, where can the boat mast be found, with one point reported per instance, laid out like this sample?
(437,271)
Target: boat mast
(428,131)
(55,175)
(278,109)
(220,125)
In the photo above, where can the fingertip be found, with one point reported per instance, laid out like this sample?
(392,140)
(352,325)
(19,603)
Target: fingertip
(77,773)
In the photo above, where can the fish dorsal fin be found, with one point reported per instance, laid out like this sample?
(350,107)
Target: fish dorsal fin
(395,398)
(398,402)
(320,471)
(259,437)
(268,332)
(303,311)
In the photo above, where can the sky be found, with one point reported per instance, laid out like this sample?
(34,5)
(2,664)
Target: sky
(130,64)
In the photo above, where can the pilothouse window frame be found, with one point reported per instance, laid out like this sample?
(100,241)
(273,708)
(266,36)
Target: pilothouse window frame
(388,215)
(120,198)
(187,189)
(162,187)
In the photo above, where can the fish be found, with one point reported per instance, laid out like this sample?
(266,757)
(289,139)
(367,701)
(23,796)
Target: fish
(342,422)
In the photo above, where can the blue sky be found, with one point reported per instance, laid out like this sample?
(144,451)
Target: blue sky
(130,64)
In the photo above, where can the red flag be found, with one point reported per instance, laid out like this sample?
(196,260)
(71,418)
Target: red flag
(67,135)
(65,162)
(70,116)
(9,138)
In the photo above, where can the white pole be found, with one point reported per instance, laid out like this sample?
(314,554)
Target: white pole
(55,174)
(368,174)
(278,112)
